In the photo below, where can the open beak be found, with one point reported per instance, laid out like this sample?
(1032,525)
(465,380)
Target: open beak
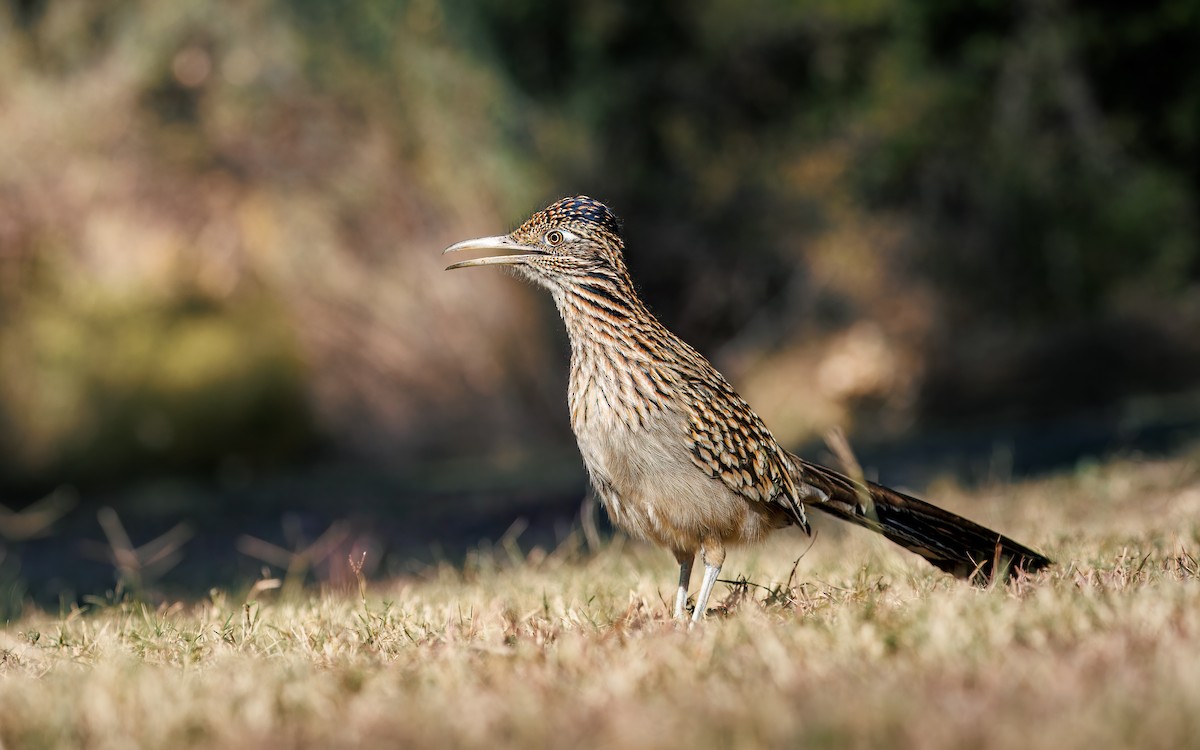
(519,253)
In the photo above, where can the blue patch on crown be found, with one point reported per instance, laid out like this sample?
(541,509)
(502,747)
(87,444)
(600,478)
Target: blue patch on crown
(585,210)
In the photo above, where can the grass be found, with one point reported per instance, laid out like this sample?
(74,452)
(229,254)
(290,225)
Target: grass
(863,647)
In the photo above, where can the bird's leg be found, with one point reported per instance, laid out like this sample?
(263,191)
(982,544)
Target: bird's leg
(713,554)
(685,578)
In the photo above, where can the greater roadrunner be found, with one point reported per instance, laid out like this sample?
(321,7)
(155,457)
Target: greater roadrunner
(675,455)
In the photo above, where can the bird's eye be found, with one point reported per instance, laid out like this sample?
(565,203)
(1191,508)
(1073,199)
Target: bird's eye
(554,238)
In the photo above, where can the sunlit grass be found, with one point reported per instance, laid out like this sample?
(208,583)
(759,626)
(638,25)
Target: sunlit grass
(863,646)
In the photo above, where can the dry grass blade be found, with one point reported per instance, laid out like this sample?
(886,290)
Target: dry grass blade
(856,647)
(37,519)
(136,566)
(296,563)
(839,444)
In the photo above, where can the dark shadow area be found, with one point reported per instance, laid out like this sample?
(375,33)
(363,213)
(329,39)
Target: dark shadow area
(307,526)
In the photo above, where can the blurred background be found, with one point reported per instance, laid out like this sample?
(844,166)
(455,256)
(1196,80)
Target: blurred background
(968,233)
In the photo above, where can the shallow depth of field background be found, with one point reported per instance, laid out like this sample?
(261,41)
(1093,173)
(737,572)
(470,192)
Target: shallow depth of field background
(966,233)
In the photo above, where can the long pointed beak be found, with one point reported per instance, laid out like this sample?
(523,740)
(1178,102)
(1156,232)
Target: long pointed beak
(502,242)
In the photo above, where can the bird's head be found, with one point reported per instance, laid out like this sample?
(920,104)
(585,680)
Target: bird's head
(573,241)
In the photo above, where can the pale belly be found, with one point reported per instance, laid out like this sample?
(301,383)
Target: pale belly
(644,475)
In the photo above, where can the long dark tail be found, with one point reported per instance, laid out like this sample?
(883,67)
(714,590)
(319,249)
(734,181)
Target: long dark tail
(950,542)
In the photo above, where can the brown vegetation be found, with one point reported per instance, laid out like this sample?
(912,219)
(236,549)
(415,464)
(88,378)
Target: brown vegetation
(854,645)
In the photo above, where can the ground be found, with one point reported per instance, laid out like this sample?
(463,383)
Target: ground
(859,644)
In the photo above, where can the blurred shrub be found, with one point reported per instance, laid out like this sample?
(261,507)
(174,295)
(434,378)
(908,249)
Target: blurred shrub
(1043,174)
(1033,202)
(215,236)
(105,390)
(218,227)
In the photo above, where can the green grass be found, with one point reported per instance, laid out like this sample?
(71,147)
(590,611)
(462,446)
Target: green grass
(863,647)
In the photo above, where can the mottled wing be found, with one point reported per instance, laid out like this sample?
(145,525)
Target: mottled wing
(731,443)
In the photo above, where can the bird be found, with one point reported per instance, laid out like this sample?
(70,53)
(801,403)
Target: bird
(675,455)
